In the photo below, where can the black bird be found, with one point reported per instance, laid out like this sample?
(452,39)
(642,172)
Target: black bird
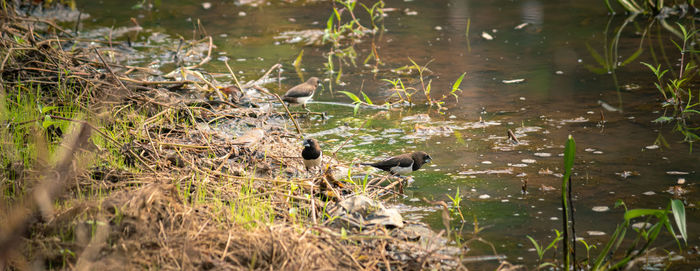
(402,164)
(301,93)
(312,154)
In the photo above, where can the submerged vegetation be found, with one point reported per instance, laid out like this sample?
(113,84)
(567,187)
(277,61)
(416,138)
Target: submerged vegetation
(681,97)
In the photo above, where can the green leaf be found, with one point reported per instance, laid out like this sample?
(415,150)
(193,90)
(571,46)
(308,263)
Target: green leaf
(679,215)
(19,40)
(46,109)
(351,96)
(329,24)
(632,57)
(596,55)
(355,109)
(457,83)
(595,70)
(662,119)
(534,243)
(297,61)
(366,98)
(634,213)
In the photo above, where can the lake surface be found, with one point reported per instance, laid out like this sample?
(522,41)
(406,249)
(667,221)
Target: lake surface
(561,94)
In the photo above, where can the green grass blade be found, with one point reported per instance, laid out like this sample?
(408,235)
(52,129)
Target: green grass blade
(351,96)
(457,83)
(679,215)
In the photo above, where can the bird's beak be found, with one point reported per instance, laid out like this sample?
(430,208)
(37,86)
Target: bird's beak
(306,144)
(427,160)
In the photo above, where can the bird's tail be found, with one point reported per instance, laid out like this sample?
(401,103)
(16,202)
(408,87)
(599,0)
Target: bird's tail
(367,164)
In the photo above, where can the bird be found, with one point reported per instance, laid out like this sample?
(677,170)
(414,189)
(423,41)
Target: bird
(402,164)
(311,154)
(301,93)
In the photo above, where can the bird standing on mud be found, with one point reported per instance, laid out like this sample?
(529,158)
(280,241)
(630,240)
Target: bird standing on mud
(402,164)
(301,93)
(312,154)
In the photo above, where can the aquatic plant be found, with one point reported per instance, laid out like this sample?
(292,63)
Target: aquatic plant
(645,7)
(606,259)
(676,95)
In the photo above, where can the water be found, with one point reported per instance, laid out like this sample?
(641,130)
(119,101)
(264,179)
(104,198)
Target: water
(560,96)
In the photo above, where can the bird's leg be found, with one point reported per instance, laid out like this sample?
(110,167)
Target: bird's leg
(304,106)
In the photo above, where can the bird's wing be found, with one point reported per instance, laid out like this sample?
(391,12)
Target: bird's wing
(401,160)
(299,91)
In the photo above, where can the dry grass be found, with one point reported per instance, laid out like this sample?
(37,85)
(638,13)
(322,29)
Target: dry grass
(148,179)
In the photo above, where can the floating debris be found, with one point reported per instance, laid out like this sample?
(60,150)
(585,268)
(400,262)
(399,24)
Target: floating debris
(490,171)
(559,72)
(595,233)
(652,147)
(543,154)
(681,180)
(513,81)
(206,5)
(600,209)
(484,196)
(486,36)
(649,193)
(576,120)
(677,190)
(481,124)
(486,162)
(547,188)
(421,130)
(521,26)
(677,173)
(529,161)
(608,107)
(410,12)
(546,171)
(631,86)
(626,174)
(417,118)
(640,225)
(307,37)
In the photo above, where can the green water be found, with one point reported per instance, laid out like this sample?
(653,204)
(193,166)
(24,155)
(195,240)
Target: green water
(559,97)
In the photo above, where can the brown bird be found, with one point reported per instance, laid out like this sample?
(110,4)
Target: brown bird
(301,93)
(402,164)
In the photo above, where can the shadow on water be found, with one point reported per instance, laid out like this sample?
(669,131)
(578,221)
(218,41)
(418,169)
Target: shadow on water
(579,67)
